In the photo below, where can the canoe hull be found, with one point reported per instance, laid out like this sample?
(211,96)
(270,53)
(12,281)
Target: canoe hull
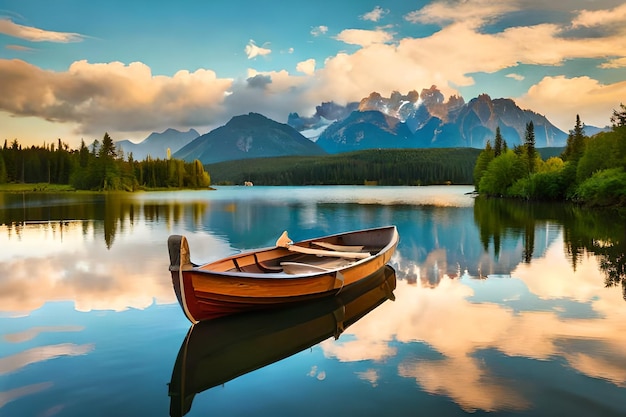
(211,290)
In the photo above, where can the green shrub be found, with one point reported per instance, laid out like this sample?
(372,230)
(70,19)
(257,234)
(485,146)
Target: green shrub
(604,188)
(501,173)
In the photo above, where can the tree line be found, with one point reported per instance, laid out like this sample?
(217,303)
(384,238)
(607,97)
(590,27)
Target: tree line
(590,170)
(99,167)
(374,166)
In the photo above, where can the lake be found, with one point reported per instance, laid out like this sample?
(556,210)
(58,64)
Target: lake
(496,308)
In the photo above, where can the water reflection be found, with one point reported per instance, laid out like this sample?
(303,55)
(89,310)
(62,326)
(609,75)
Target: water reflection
(586,232)
(13,363)
(101,214)
(216,351)
(500,306)
(486,344)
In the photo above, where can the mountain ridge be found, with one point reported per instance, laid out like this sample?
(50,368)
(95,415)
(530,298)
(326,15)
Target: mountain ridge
(432,122)
(248,136)
(157,144)
(404,121)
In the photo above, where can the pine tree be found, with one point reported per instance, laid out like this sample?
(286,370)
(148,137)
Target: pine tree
(619,116)
(499,143)
(575,142)
(529,146)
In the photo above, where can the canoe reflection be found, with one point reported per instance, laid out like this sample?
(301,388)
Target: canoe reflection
(217,351)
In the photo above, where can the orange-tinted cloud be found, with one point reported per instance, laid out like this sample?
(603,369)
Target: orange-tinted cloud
(8,27)
(114,96)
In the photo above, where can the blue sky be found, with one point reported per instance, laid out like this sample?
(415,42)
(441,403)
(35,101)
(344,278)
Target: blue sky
(73,69)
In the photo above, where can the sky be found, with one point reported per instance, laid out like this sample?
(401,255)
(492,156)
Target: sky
(73,70)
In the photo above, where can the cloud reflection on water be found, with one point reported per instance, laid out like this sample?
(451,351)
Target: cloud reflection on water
(447,320)
(38,267)
(12,363)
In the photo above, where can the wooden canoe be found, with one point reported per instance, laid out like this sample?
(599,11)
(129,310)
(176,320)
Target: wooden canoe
(220,350)
(277,276)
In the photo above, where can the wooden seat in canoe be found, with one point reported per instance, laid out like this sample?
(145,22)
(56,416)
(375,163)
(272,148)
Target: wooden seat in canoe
(314,265)
(339,248)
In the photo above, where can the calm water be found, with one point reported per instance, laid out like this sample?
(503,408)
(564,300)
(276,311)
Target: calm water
(499,308)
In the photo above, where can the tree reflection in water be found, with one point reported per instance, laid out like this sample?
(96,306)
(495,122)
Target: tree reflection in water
(108,213)
(585,231)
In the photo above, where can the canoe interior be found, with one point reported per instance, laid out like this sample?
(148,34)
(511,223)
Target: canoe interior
(269,260)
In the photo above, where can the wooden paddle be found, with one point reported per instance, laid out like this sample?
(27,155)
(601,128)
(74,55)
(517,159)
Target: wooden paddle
(285,242)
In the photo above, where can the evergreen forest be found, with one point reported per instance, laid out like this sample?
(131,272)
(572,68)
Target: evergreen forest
(373,166)
(100,167)
(590,170)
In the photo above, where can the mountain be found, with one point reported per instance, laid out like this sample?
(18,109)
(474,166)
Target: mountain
(477,122)
(248,136)
(426,120)
(156,144)
(365,130)
(325,114)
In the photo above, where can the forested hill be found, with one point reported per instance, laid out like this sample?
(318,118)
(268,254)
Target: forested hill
(379,166)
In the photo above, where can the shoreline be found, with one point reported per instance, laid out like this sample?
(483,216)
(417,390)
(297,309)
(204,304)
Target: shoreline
(66,188)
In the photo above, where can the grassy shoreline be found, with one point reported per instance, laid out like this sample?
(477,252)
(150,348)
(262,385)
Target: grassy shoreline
(35,187)
(44,187)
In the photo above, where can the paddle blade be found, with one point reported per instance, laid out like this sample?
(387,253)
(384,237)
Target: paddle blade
(284,241)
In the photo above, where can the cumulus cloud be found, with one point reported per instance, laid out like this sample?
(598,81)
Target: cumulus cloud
(306,67)
(363,37)
(558,93)
(113,96)
(286,93)
(129,98)
(252,50)
(319,30)
(592,18)
(375,15)
(259,81)
(32,34)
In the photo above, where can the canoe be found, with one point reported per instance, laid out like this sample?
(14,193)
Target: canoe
(277,276)
(217,351)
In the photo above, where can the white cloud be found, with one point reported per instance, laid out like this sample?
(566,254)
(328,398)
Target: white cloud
(363,37)
(319,30)
(306,67)
(516,77)
(36,35)
(589,98)
(112,97)
(128,98)
(592,18)
(375,15)
(614,63)
(471,12)
(252,50)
